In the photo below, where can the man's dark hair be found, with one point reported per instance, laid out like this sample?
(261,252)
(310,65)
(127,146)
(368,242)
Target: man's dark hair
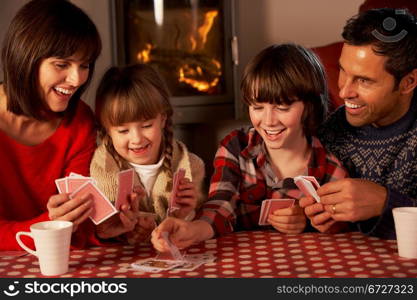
(391,32)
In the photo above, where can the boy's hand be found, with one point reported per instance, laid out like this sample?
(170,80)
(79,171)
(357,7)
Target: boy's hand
(288,220)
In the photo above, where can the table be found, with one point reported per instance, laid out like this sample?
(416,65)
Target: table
(254,254)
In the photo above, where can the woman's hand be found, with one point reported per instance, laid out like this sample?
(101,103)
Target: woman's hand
(186,198)
(75,210)
(288,220)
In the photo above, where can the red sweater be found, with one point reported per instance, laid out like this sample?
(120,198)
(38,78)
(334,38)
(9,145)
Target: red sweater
(28,173)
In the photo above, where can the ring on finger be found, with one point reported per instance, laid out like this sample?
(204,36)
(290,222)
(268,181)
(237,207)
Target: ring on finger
(333,209)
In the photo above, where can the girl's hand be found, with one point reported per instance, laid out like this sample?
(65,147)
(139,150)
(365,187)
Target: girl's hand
(187,198)
(120,223)
(75,210)
(288,220)
(181,233)
(143,229)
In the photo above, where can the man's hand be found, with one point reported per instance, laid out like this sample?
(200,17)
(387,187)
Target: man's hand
(352,199)
(320,218)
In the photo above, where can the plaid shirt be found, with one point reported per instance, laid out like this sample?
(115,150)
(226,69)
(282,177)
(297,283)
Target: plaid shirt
(243,177)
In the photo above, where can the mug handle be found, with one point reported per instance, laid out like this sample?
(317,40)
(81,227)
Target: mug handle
(21,243)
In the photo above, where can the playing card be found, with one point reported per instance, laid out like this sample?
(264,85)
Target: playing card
(262,215)
(125,187)
(308,185)
(188,266)
(165,256)
(175,252)
(205,258)
(154,265)
(73,174)
(102,207)
(73,183)
(172,204)
(193,261)
(61,185)
(270,205)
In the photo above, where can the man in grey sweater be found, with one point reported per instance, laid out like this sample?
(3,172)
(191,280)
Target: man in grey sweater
(375,133)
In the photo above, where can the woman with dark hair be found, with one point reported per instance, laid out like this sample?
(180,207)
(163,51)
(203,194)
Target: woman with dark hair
(46,131)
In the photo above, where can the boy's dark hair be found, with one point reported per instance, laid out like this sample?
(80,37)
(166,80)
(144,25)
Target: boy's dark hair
(391,32)
(283,74)
(43,29)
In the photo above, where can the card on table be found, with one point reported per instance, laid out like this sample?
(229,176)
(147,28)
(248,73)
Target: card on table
(308,185)
(173,259)
(155,265)
(204,257)
(172,203)
(125,187)
(102,207)
(190,262)
(270,205)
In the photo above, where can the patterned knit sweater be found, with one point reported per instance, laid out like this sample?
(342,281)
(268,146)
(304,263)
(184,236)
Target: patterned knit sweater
(104,169)
(384,155)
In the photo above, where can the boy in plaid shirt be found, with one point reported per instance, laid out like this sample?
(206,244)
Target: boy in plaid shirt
(286,94)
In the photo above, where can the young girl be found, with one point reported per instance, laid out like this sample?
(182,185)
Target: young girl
(133,108)
(285,91)
(46,131)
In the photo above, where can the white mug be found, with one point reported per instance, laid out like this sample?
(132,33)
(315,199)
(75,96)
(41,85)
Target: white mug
(52,241)
(405,219)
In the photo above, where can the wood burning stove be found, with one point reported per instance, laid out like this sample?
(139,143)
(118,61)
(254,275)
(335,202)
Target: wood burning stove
(192,45)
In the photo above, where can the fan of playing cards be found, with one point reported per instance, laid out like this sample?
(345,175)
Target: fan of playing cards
(172,202)
(103,209)
(172,260)
(308,185)
(270,205)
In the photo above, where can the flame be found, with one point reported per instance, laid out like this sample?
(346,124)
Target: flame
(203,30)
(193,43)
(186,72)
(201,77)
(144,55)
(208,23)
(189,74)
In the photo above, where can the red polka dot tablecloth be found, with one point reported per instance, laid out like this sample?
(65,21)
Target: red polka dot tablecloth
(256,254)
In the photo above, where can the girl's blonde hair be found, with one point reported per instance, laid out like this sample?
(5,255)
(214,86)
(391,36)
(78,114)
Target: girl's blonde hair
(130,94)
